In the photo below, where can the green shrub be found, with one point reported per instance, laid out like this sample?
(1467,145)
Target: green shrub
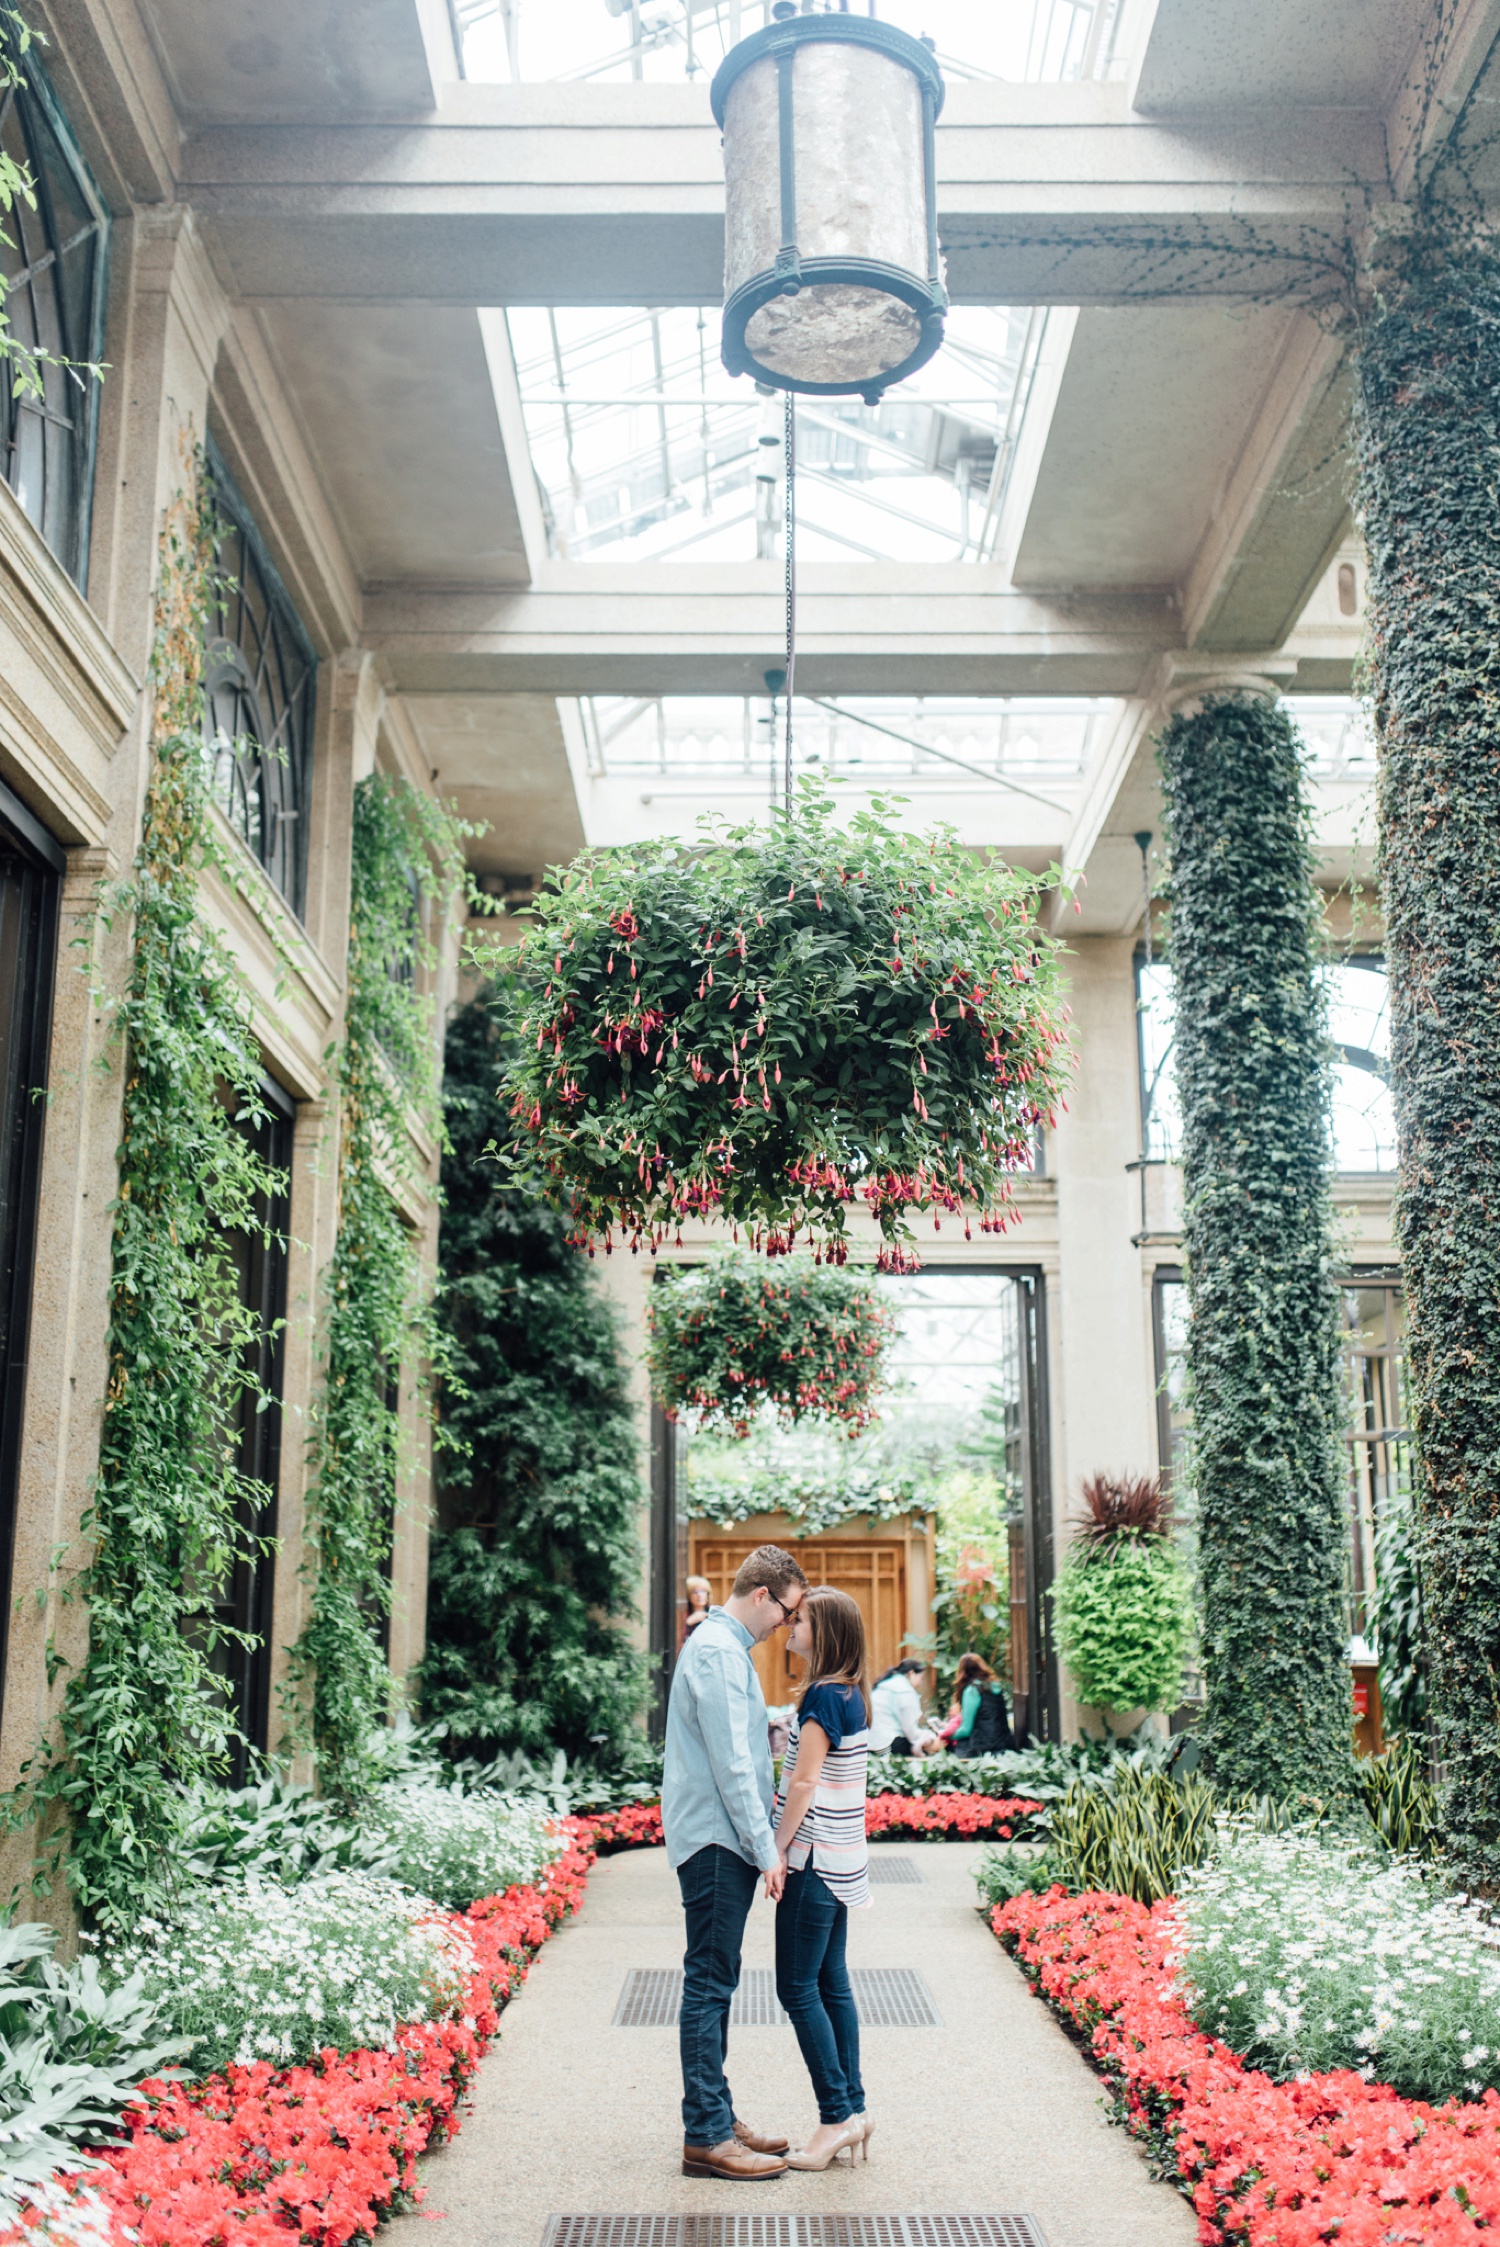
(1401,1799)
(1011,1869)
(1123,1622)
(537,1547)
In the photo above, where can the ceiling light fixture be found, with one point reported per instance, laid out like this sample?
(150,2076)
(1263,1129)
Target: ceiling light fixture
(833,280)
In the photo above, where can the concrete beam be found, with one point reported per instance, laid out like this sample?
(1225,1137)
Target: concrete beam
(886,628)
(614,195)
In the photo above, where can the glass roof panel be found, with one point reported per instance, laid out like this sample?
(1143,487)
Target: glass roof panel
(1034,745)
(1020,40)
(645,449)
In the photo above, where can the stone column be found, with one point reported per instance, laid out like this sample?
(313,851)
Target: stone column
(1427,429)
(1262,1341)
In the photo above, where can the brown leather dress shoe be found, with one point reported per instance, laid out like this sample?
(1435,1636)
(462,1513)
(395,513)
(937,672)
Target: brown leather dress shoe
(735,2163)
(759,2144)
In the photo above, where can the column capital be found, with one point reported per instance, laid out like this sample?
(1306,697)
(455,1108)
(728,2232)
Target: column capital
(1186,678)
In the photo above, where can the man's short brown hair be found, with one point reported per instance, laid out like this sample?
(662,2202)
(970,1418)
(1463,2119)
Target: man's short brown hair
(770,1566)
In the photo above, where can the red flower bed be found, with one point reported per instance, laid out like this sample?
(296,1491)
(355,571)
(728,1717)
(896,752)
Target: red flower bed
(1327,2158)
(637,1826)
(956,1817)
(262,2157)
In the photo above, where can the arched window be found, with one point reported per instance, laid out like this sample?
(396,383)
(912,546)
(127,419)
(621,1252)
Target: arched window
(53,260)
(260,682)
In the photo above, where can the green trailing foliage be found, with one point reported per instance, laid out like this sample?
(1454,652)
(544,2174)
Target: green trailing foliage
(406,870)
(1123,1601)
(142,1715)
(765,1025)
(537,1558)
(735,1334)
(1262,1338)
(1428,431)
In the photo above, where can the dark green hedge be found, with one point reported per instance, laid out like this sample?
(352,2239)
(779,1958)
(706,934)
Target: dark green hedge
(1262,1341)
(539,1538)
(1428,428)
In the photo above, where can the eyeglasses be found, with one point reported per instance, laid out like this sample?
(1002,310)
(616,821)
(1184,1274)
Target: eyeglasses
(788,1614)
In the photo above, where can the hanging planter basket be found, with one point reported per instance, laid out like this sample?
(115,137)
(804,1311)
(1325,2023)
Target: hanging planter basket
(771,1026)
(735,1335)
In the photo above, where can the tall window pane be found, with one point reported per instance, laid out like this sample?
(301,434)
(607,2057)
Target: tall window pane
(30,865)
(53,260)
(244,1604)
(1364,1116)
(260,682)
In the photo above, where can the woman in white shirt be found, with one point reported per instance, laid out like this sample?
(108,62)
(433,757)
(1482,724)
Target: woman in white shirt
(896,1726)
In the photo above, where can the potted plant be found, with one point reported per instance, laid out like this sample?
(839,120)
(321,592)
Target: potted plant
(773,1024)
(1122,1600)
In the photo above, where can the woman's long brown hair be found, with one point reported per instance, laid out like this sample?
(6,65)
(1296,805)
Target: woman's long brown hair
(838,1642)
(973,1669)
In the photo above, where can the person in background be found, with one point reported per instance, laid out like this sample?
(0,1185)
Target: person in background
(700,1594)
(983,1726)
(825,1862)
(896,1725)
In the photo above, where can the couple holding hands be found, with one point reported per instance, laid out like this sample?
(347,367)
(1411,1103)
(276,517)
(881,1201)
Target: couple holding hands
(727,1827)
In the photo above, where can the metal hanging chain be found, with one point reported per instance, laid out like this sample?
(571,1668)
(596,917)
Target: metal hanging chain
(790,447)
(1143,842)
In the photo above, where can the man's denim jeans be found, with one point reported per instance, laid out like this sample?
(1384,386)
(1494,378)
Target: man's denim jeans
(812,1982)
(718,1889)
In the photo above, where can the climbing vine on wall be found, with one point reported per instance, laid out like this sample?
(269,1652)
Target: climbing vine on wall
(1262,1340)
(142,1714)
(406,869)
(1428,435)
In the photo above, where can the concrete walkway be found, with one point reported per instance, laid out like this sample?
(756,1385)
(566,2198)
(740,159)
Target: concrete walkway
(993,2112)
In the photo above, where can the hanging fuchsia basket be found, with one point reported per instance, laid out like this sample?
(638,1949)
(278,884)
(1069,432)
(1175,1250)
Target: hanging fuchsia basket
(771,1026)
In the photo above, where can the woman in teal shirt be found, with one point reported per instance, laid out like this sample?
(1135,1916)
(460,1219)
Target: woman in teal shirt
(983,1724)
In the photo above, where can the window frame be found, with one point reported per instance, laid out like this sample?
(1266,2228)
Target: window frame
(36,88)
(282,617)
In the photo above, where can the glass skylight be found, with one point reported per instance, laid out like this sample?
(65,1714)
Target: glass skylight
(1035,746)
(646,450)
(1364,1117)
(1337,733)
(604,40)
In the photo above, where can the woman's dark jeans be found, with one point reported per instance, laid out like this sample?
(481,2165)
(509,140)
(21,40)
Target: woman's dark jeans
(718,1889)
(812,1982)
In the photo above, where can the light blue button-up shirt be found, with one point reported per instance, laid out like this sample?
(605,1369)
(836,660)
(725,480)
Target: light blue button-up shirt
(716,1782)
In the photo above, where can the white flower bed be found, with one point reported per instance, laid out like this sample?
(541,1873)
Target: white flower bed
(1306,1957)
(458,1847)
(261,1972)
(67,2212)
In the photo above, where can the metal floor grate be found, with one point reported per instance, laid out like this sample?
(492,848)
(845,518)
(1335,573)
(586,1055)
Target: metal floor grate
(793,2231)
(894,1872)
(887,1997)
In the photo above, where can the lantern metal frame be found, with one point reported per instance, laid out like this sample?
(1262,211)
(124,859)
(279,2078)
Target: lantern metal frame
(792,272)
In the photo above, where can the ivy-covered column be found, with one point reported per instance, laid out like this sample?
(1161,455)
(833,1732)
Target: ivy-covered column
(1262,1339)
(1428,366)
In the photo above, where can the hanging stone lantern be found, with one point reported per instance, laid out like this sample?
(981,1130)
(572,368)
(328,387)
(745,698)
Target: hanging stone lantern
(832,275)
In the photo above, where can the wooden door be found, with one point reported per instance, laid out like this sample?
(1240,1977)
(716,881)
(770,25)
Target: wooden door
(871,1570)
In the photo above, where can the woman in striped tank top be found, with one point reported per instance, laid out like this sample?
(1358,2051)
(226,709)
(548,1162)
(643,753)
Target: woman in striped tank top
(820,1831)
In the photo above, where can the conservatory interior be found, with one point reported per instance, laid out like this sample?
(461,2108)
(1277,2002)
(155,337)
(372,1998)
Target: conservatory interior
(749,797)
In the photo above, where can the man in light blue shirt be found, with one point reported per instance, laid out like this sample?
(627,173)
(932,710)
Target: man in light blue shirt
(716,1799)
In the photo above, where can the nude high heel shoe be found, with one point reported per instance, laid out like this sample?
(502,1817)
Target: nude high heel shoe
(867,2132)
(850,2136)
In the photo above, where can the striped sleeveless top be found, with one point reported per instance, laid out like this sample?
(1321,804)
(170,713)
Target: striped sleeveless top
(832,1835)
